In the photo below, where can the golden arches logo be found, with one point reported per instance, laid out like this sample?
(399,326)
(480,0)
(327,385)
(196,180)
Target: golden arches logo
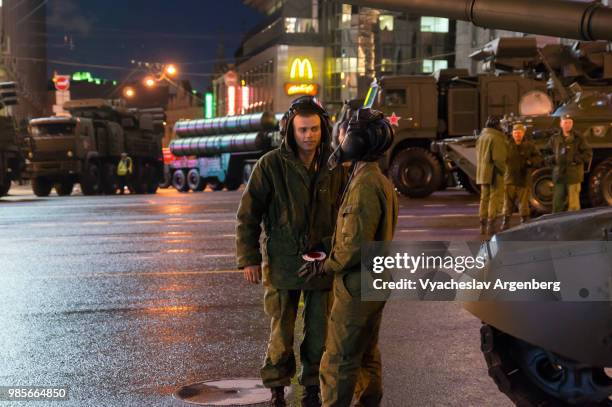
(301,68)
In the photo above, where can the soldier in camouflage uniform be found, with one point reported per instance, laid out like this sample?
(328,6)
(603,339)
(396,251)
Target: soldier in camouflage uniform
(296,196)
(570,153)
(522,158)
(491,154)
(351,365)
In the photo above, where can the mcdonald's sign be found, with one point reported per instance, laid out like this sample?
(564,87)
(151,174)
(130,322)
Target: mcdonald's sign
(301,75)
(301,68)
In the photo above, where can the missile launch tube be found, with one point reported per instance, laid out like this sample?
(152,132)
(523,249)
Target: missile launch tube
(213,145)
(248,123)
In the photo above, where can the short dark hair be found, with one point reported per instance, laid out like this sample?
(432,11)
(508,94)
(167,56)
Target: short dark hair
(493,122)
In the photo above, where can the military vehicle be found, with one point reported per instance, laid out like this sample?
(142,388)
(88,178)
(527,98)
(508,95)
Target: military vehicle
(581,85)
(87,146)
(545,350)
(451,104)
(11,159)
(220,152)
(544,353)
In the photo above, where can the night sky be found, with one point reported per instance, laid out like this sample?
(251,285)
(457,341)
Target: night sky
(114,32)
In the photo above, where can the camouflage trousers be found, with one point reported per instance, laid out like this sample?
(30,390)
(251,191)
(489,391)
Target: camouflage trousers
(569,193)
(518,194)
(492,198)
(351,365)
(282,307)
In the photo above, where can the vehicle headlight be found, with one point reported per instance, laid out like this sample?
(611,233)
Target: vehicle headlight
(30,155)
(69,153)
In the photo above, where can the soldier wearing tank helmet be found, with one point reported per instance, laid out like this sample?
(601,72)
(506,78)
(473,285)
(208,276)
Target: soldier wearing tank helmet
(296,197)
(351,365)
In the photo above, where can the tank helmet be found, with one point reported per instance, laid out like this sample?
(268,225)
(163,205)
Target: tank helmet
(306,105)
(369,134)
(350,107)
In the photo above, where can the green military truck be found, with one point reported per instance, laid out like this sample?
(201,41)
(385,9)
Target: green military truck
(424,109)
(11,160)
(87,146)
(451,104)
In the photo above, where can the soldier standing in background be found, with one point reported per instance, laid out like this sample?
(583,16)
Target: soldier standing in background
(570,153)
(491,154)
(124,170)
(522,158)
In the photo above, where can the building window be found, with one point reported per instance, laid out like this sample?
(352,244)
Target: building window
(434,24)
(432,65)
(386,65)
(295,25)
(385,23)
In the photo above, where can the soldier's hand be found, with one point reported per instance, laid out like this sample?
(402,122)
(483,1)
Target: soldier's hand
(311,269)
(252,274)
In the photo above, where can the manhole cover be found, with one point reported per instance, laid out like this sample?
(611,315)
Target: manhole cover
(229,392)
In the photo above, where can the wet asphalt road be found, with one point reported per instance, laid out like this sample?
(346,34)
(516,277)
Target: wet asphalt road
(126,298)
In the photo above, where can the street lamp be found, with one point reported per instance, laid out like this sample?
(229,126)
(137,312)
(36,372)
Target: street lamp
(170,70)
(129,92)
(149,82)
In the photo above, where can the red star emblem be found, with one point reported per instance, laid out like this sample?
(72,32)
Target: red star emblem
(394,119)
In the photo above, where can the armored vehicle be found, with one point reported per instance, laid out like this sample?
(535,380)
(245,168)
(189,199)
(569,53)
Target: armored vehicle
(87,146)
(11,159)
(546,350)
(220,152)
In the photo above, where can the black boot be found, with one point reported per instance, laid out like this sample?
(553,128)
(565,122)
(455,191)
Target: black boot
(312,396)
(524,219)
(483,226)
(278,397)
(491,227)
(505,223)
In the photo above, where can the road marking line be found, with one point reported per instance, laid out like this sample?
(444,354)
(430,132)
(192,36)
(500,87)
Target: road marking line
(435,205)
(413,230)
(146,274)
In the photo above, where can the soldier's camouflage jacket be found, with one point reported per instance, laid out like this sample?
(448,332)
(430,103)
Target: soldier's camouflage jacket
(522,159)
(570,154)
(491,155)
(295,220)
(368,213)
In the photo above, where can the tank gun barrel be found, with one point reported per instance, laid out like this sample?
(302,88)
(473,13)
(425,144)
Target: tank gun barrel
(587,21)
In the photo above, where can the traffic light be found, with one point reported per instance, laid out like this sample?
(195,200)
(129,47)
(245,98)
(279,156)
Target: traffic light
(8,93)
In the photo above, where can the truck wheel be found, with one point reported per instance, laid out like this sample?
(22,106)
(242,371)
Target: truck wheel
(167,178)
(215,184)
(195,181)
(41,186)
(110,184)
(531,376)
(4,188)
(64,188)
(232,184)
(467,183)
(179,181)
(542,190)
(91,180)
(246,172)
(600,184)
(139,179)
(416,172)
